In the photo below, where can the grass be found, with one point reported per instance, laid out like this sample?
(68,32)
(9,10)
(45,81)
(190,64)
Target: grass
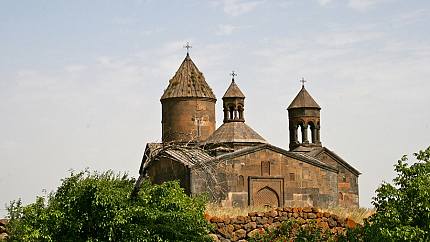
(356,214)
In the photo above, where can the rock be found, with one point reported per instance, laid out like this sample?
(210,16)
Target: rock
(2,229)
(261,220)
(252,214)
(242,240)
(214,237)
(227,231)
(272,213)
(315,210)
(331,222)
(239,234)
(312,215)
(4,221)
(287,209)
(319,215)
(4,236)
(326,215)
(323,225)
(227,220)
(295,215)
(253,219)
(250,226)
(307,210)
(240,219)
(260,214)
(254,232)
(237,226)
(349,223)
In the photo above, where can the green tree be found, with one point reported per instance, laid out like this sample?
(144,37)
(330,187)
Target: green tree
(403,209)
(98,207)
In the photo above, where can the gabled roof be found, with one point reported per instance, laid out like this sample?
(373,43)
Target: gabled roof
(316,151)
(188,81)
(187,155)
(303,100)
(233,91)
(235,132)
(299,156)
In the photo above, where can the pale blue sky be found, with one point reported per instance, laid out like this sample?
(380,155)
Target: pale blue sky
(80,81)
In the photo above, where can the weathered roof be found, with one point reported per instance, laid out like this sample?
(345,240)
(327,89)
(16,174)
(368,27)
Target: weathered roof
(233,91)
(231,132)
(315,151)
(303,100)
(296,155)
(187,155)
(188,81)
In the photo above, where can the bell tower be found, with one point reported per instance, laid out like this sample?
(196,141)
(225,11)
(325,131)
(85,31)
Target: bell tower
(188,105)
(233,103)
(304,118)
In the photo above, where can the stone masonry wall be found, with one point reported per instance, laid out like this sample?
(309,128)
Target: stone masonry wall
(241,228)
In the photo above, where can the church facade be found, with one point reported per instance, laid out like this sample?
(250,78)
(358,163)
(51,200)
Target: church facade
(233,164)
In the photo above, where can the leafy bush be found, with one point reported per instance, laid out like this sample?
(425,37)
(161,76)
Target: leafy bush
(98,207)
(403,209)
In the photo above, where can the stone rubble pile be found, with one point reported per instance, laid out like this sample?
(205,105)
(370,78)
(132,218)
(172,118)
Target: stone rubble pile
(3,232)
(241,228)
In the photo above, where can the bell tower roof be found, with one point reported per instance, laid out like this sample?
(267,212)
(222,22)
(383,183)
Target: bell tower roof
(233,91)
(303,100)
(188,81)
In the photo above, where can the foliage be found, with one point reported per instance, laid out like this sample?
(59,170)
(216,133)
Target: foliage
(403,209)
(290,230)
(98,207)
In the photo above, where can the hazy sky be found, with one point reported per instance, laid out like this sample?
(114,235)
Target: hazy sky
(80,81)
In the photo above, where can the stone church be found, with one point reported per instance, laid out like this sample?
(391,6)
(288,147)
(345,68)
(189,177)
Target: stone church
(233,164)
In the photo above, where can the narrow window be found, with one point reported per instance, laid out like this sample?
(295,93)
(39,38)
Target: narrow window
(343,178)
(265,168)
(292,177)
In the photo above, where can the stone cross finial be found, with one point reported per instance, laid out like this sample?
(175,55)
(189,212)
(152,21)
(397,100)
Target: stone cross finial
(188,47)
(303,81)
(233,74)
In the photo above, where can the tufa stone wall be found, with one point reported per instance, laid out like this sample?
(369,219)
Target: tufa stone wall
(241,228)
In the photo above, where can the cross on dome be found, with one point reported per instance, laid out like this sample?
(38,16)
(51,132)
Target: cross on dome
(188,47)
(303,81)
(233,74)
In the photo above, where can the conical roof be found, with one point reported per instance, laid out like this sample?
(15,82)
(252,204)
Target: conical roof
(233,91)
(188,81)
(303,100)
(235,132)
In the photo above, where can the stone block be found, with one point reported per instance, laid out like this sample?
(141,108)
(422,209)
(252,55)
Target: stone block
(331,222)
(254,232)
(214,237)
(239,234)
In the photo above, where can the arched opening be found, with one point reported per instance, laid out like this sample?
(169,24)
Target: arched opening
(312,131)
(299,130)
(231,112)
(240,109)
(266,197)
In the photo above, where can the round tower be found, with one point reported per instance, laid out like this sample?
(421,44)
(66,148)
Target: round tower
(188,106)
(304,117)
